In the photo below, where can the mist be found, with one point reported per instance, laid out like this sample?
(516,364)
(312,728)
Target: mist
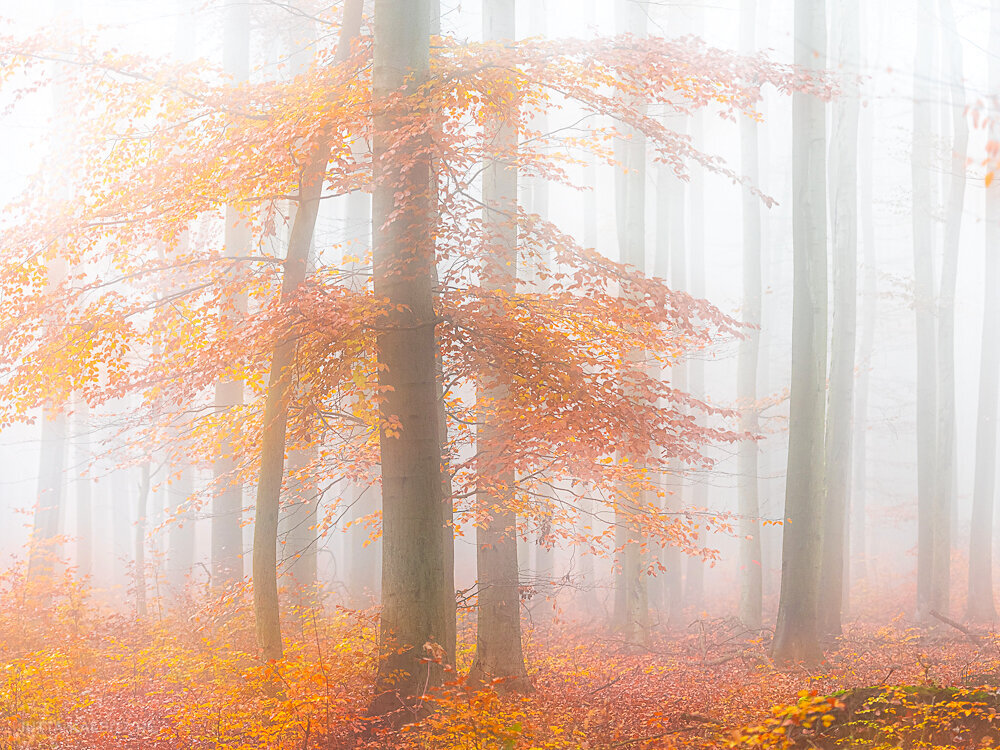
(592,373)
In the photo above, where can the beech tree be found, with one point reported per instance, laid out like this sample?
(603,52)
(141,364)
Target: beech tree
(797,632)
(751,573)
(843,195)
(981,604)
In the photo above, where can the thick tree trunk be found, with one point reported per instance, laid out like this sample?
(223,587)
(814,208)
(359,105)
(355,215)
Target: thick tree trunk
(280,379)
(923,264)
(981,602)
(843,179)
(945,476)
(418,605)
(499,654)
(227,500)
(751,577)
(796,633)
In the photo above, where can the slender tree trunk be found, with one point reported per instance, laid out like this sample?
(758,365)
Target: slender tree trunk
(631,613)
(181,532)
(280,379)
(866,348)
(796,633)
(924,304)
(694,580)
(141,508)
(981,602)
(751,579)
(944,494)
(418,606)
(84,493)
(843,179)
(499,654)
(227,500)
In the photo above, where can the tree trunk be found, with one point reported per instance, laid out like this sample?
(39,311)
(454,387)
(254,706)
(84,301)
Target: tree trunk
(84,493)
(843,180)
(418,606)
(631,612)
(751,577)
(796,633)
(944,494)
(924,305)
(280,378)
(141,508)
(694,580)
(981,603)
(866,348)
(227,498)
(499,654)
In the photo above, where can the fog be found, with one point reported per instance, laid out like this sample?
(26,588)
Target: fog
(166,380)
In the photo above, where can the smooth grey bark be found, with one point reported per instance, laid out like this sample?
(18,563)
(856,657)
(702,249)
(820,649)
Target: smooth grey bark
(49,494)
(418,603)
(84,492)
(981,606)
(751,574)
(141,509)
(796,637)
(499,653)
(631,602)
(280,378)
(945,474)
(866,345)
(180,533)
(923,265)
(227,499)
(843,196)
(694,579)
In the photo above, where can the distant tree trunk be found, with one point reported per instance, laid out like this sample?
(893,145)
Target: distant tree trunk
(181,532)
(751,578)
(923,264)
(866,347)
(418,605)
(670,233)
(843,179)
(631,612)
(141,508)
(84,493)
(944,494)
(499,654)
(981,604)
(227,500)
(796,633)
(44,549)
(280,378)
(694,580)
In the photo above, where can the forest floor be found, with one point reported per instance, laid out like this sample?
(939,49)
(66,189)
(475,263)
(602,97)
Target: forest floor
(76,675)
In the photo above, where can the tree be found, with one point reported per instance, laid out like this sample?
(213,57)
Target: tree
(751,578)
(843,180)
(981,602)
(796,632)
(227,498)
(499,653)
(417,595)
(631,610)
(944,492)
(280,377)
(920,166)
